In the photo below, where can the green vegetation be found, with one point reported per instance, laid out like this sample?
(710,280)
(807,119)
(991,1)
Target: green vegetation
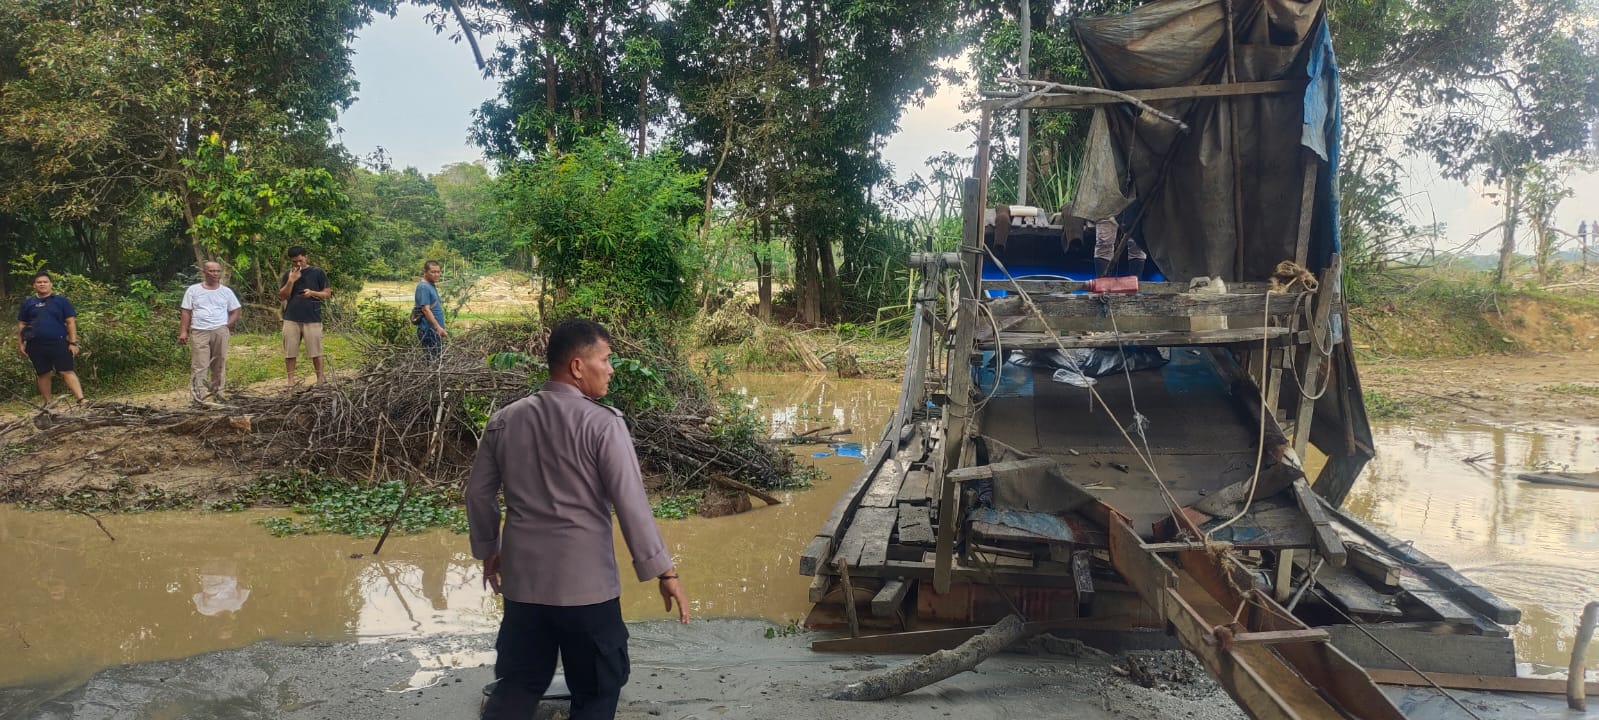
(677,507)
(1380,406)
(1574,389)
(350,509)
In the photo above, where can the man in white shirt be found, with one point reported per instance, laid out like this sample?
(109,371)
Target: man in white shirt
(209,311)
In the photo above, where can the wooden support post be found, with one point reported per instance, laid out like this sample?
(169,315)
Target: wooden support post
(1310,366)
(849,598)
(1285,574)
(1307,207)
(1576,688)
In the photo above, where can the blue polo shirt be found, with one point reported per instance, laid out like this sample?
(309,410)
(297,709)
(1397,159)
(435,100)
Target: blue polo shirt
(46,317)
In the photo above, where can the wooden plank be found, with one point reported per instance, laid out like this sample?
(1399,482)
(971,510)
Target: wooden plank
(1375,567)
(849,597)
(820,584)
(915,525)
(917,488)
(1165,306)
(865,545)
(1001,469)
(1046,287)
(1260,681)
(1473,595)
(887,602)
(1435,604)
(815,556)
(1310,358)
(1326,538)
(1184,92)
(1307,206)
(1281,637)
(1353,594)
(1431,652)
(1467,681)
(1083,575)
(883,492)
(1160,338)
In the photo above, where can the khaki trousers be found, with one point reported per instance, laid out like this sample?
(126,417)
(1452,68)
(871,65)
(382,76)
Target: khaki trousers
(208,351)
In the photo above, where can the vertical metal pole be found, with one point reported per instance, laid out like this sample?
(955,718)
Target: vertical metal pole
(1024,116)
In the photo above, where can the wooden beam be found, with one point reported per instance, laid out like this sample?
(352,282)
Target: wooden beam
(1009,467)
(1461,681)
(1310,358)
(1327,541)
(1182,92)
(1163,338)
(1374,566)
(887,602)
(1176,305)
(849,598)
(1045,287)
(814,558)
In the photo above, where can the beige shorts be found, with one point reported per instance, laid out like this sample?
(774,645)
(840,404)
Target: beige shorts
(293,332)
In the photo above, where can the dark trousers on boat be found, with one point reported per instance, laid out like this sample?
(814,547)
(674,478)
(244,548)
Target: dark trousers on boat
(592,643)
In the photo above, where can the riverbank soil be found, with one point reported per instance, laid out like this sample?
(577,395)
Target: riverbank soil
(708,669)
(1521,389)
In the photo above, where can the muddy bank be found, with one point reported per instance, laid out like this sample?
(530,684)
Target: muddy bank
(1533,390)
(717,668)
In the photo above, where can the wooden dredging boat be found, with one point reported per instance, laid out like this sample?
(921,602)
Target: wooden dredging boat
(1174,497)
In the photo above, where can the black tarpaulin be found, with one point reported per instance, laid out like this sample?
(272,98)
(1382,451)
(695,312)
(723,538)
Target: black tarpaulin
(1185,180)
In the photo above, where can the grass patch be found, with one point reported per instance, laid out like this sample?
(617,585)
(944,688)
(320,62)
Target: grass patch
(1382,406)
(1574,389)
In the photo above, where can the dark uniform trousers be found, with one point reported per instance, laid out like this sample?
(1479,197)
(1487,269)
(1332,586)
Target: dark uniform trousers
(592,643)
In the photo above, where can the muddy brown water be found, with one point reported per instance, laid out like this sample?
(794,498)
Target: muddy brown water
(177,584)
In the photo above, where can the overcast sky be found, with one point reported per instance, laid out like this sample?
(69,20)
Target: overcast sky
(418,91)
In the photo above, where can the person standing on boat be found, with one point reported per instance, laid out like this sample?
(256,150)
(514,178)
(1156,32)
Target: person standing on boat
(1106,237)
(563,462)
(47,334)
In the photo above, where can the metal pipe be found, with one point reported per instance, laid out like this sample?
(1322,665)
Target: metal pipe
(1576,677)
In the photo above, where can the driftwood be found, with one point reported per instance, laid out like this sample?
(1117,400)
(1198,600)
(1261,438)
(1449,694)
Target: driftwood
(940,665)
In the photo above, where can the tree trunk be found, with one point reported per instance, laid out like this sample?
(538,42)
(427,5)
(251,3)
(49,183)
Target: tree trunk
(832,298)
(83,233)
(113,248)
(643,111)
(1507,248)
(549,85)
(938,666)
(763,269)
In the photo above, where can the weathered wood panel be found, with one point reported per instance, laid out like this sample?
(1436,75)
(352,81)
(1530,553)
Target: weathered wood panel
(1431,652)
(917,488)
(888,601)
(915,525)
(1166,306)
(1173,338)
(865,545)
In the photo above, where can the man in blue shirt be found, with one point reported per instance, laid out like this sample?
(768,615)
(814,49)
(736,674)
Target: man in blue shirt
(428,313)
(47,334)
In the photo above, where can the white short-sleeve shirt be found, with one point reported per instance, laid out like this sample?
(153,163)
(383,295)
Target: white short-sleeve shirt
(210,307)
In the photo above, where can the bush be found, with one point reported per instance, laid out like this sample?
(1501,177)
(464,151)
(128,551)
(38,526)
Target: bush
(384,322)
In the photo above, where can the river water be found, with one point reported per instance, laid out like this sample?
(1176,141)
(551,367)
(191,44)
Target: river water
(171,585)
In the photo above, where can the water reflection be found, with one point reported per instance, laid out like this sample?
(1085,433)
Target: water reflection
(1535,546)
(178,584)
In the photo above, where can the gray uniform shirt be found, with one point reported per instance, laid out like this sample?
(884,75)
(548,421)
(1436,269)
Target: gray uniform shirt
(563,461)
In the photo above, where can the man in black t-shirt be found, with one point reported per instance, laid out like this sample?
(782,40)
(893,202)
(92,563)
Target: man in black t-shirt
(47,334)
(303,289)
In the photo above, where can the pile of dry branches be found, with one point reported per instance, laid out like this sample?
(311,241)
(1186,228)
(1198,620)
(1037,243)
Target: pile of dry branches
(407,414)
